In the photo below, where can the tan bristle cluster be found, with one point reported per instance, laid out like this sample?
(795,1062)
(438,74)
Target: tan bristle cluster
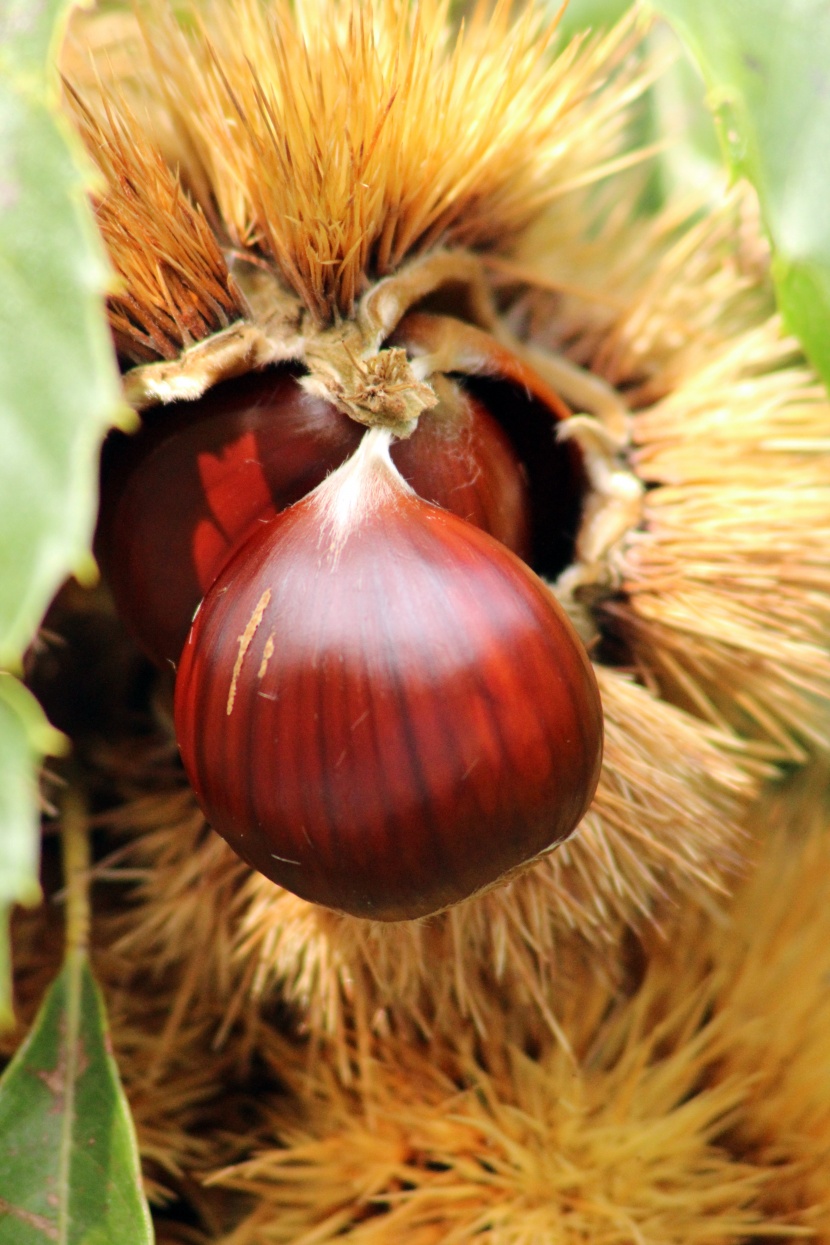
(174,287)
(758,660)
(691,1106)
(724,596)
(769,972)
(612,1143)
(335,140)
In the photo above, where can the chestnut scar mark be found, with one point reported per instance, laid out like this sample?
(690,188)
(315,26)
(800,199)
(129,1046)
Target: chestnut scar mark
(267,654)
(245,643)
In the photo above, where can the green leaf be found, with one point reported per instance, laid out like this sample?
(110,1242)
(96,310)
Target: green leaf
(58,381)
(69,1168)
(692,162)
(767,68)
(25,738)
(31,27)
(589,14)
(672,108)
(59,391)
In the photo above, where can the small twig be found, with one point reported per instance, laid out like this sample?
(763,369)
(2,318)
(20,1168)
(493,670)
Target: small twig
(76,868)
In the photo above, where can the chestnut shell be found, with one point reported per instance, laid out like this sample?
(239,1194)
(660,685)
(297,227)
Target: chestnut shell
(388,726)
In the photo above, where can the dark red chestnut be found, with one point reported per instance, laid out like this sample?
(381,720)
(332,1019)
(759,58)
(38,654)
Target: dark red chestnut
(379,706)
(528,409)
(460,458)
(179,497)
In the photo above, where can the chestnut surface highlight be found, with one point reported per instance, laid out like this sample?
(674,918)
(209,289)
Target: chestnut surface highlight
(380,707)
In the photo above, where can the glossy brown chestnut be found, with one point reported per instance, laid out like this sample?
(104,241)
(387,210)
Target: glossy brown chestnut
(380,707)
(182,494)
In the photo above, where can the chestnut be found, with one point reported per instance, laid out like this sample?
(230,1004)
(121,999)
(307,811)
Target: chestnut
(179,496)
(382,708)
(199,477)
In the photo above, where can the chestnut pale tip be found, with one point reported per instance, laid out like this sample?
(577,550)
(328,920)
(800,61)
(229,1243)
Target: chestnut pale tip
(380,707)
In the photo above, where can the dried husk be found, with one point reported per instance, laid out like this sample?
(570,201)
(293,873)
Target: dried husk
(691,1105)
(767,973)
(611,1141)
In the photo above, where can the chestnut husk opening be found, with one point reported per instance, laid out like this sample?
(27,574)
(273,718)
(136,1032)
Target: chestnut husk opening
(557,480)
(171,513)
